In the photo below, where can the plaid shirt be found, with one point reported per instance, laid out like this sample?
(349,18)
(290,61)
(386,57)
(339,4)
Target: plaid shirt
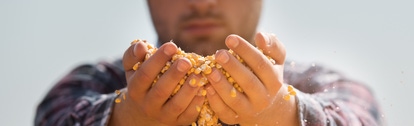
(86,95)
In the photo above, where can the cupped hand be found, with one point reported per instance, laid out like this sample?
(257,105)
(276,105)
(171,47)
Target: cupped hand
(261,103)
(151,104)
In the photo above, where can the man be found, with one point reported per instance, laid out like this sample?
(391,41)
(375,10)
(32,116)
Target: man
(86,96)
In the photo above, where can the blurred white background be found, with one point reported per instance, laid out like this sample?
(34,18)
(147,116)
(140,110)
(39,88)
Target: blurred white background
(42,40)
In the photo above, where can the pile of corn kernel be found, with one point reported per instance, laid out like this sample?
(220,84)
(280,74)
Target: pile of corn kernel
(200,65)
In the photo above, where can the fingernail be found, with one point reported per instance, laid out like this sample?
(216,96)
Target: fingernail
(222,57)
(169,50)
(267,39)
(182,66)
(232,41)
(215,76)
(210,91)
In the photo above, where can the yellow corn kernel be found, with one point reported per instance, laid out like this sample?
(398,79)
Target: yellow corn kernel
(135,67)
(212,65)
(207,70)
(193,82)
(227,74)
(198,108)
(240,90)
(202,82)
(117,92)
(117,100)
(149,46)
(123,96)
(218,66)
(292,92)
(233,92)
(176,89)
(230,79)
(286,97)
(197,71)
(147,56)
(134,41)
(290,88)
(193,124)
(203,92)
(179,51)
(191,70)
(193,62)
(175,57)
(164,69)
(182,81)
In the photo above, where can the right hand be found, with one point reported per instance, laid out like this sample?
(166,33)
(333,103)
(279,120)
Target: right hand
(151,105)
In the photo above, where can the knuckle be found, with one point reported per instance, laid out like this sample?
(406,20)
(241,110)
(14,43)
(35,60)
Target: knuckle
(176,108)
(159,93)
(251,83)
(237,101)
(263,104)
(186,118)
(143,76)
(231,120)
(263,64)
(148,111)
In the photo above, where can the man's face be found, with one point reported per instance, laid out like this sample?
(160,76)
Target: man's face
(201,26)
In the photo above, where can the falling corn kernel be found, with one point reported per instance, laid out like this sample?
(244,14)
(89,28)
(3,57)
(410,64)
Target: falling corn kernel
(292,92)
(233,92)
(123,96)
(290,88)
(286,97)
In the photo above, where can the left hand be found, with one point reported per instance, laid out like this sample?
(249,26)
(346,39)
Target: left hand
(262,102)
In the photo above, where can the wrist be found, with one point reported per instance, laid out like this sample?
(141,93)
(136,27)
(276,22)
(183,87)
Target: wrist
(283,112)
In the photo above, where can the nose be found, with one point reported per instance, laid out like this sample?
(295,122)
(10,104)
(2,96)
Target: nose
(202,6)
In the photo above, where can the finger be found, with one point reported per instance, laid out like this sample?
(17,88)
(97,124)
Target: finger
(271,46)
(163,88)
(239,102)
(180,101)
(259,63)
(142,78)
(224,112)
(190,114)
(135,53)
(251,85)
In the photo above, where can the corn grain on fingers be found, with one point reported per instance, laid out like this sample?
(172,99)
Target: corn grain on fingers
(203,66)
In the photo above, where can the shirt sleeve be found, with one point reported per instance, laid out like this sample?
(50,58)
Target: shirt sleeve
(83,97)
(327,98)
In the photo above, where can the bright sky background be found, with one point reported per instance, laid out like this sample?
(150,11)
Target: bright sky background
(370,41)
